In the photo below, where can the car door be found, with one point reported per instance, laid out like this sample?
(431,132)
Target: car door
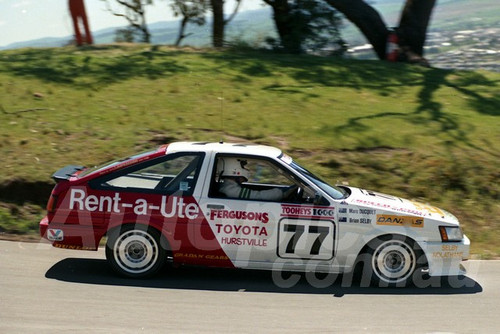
(258,228)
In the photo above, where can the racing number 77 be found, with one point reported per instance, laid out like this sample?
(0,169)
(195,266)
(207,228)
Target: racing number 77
(298,231)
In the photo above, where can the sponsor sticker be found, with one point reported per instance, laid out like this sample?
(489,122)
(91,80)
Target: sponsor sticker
(55,234)
(306,211)
(263,217)
(449,252)
(393,220)
(389,206)
(169,207)
(428,208)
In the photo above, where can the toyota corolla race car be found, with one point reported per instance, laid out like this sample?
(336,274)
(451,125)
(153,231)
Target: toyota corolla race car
(245,206)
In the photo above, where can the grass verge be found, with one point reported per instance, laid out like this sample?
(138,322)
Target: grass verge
(420,133)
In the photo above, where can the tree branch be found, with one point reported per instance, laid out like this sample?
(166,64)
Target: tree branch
(235,11)
(367,19)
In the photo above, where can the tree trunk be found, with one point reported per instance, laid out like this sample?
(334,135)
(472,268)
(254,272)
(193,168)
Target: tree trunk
(412,28)
(284,25)
(218,23)
(146,36)
(411,32)
(181,35)
(367,19)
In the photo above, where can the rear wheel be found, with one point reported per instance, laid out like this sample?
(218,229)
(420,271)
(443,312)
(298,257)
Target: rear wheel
(135,251)
(391,261)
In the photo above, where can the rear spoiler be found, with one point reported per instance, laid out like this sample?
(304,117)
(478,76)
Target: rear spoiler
(66,172)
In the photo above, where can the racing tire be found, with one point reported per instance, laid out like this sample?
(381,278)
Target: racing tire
(391,261)
(136,251)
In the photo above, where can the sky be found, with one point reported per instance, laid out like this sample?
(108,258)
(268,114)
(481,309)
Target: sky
(23,20)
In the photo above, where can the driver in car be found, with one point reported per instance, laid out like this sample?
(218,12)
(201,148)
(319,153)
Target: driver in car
(233,173)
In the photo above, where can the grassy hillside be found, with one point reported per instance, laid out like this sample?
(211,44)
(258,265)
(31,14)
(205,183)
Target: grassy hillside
(420,133)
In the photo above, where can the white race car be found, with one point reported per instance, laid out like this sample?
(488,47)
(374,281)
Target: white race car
(245,206)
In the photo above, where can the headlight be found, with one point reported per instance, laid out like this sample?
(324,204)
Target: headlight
(451,233)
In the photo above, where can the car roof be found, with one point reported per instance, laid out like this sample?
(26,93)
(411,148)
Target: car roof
(221,147)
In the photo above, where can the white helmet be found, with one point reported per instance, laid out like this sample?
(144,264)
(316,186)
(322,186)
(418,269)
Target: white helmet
(233,167)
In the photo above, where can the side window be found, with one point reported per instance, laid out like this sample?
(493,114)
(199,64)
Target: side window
(250,178)
(170,175)
(265,173)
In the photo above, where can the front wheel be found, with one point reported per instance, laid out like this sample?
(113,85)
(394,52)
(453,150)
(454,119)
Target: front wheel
(392,261)
(135,251)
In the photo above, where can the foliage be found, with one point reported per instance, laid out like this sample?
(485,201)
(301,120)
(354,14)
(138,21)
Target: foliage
(311,25)
(421,133)
(191,11)
(318,25)
(125,35)
(19,219)
(134,11)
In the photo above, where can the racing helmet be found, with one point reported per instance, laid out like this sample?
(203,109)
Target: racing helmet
(232,167)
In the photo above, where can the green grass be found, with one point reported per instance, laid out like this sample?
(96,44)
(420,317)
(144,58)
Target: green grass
(419,133)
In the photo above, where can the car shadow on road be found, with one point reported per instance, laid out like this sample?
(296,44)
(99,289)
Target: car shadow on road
(96,271)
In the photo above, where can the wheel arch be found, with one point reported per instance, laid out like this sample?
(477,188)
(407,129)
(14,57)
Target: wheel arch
(136,250)
(371,271)
(164,240)
(421,257)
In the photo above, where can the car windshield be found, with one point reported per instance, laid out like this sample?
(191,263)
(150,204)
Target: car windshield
(112,163)
(334,192)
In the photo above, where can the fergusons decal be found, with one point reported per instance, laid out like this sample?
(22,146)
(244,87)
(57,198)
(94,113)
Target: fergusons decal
(263,217)
(238,227)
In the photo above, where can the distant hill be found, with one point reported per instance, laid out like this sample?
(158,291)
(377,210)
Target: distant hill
(247,25)
(450,17)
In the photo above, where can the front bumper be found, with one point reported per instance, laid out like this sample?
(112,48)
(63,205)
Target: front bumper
(444,258)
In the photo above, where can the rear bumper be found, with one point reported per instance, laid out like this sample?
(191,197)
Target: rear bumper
(444,258)
(43,226)
(70,236)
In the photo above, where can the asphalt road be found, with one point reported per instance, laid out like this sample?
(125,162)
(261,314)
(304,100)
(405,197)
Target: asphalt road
(48,290)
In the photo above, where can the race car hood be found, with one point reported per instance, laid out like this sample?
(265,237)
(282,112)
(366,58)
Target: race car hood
(397,205)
